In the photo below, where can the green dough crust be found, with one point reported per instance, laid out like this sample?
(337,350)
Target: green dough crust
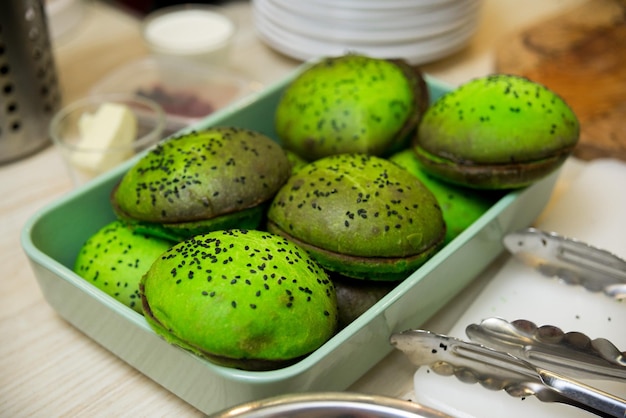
(369,268)
(241,298)
(245,219)
(351,103)
(461,206)
(114,259)
(358,206)
(202,175)
(497,131)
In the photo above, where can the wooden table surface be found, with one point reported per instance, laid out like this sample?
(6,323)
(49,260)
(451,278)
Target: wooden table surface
(47,367)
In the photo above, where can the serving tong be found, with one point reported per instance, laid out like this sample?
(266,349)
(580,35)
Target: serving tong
(524,359)
(472,362)
(573,261)
(573,353)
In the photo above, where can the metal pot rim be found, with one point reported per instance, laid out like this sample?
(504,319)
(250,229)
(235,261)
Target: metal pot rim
(329,404)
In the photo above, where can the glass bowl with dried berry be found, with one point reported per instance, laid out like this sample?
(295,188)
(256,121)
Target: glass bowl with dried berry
(187,92)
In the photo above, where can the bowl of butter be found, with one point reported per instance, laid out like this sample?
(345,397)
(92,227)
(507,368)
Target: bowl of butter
(99,132)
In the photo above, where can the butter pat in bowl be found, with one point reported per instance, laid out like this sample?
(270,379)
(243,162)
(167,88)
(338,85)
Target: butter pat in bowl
(97,133)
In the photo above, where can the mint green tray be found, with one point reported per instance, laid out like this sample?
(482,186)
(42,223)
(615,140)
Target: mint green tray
(53,236)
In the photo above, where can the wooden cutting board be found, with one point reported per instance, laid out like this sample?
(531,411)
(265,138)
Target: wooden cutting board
(581,55)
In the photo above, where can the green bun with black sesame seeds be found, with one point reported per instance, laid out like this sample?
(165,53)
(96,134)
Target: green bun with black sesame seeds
(115,258)
(351,104)
(496,132)
(359,215)
(200,181)
(460,206)
(246,299)
(296,161)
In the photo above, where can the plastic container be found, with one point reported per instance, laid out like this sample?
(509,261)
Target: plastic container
(187,92)
(335,365)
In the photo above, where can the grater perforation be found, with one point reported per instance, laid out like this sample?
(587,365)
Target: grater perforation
(30,93)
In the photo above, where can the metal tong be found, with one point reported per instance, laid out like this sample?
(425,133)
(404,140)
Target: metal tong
(472,362)
(524,359)
(573,261)
(571,353)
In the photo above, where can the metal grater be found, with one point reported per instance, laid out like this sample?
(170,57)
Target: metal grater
(29,88)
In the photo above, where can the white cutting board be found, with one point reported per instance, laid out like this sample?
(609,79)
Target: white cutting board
(592,208)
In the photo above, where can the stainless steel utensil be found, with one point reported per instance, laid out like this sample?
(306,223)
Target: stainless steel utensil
(574,262)
(30,93)
(472,362)
(329,405)
(573,353)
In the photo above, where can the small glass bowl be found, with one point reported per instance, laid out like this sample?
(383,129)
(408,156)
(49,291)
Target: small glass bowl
(85,164)
(187,92)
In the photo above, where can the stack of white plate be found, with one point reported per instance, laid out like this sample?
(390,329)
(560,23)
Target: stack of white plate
(418,31)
